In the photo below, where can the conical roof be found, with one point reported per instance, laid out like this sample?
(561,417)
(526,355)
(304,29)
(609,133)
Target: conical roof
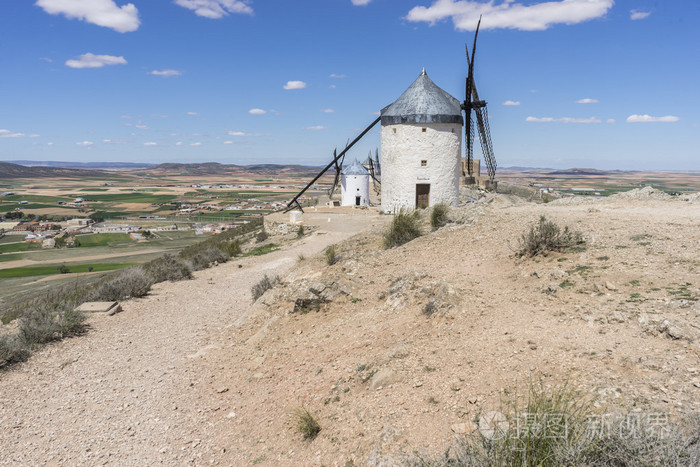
(355,169)
(423,102)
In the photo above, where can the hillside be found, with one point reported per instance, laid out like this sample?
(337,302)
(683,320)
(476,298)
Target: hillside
(9,170)
(391,350)
(215,168)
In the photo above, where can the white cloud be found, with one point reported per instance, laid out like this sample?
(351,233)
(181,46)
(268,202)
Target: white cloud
(276,112)
(192,113)
(216,8)
(587,100)
(11,134)
(610,120)
(636,14)
(228,142)
(336,75)
(649,119)
(179,143)
(511,103)
(360,2)
(315,128)
(510,14)
(242,133)
(165,73)
(562,120)
(90,60)
(100,12)
(196,144)
(46,59)
(150,143)
(294,85)
(126,116)
(327,111)
(50,143)
(143,127)
(257,112)
(85,143)
(332,86)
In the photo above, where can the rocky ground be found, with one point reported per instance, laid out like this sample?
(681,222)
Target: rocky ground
(392,351)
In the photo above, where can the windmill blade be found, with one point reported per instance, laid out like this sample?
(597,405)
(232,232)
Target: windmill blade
(482,120)
(338,168)
(468,104)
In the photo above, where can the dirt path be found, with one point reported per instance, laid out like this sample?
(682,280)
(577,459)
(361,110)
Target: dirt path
(133,390)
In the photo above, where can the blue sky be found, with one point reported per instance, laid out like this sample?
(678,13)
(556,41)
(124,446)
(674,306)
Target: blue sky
(590,83)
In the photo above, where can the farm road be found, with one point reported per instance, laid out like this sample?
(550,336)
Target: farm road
(132,391)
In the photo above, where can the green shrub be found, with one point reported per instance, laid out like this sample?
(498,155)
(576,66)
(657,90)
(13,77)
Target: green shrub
(305,423)
(263,286)
(546,236)
(44,324)
(167,268)
(301,231)
(261,236)
(234,248)
(202,259)
(128,283)
(331,255)
(438,215)
(404,227)
(12,350)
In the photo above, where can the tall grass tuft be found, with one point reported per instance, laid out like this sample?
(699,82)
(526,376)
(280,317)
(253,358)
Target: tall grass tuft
(305,423)
(546,236)
(263,286)
(438,215)
(404,227)
(331,255)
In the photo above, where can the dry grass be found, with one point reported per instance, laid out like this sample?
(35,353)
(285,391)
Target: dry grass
(547,236)
(305,423)
(404,227)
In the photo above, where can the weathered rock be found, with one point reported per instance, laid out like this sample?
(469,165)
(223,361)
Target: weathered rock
(558,274)
(383,377)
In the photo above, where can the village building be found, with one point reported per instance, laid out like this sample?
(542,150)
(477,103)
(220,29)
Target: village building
(421,144)
(354,185)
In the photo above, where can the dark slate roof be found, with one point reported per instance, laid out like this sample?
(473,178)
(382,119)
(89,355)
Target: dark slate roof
(423,102)
(355,169)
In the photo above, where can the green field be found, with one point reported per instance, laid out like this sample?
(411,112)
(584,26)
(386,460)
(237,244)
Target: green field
(102,239)
(131,198)
(11,257)
(29,271)
(15,247)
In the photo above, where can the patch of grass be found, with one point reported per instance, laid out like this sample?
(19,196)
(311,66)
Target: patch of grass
(546,236)
(261,236)
(301,257)
(305,423)
(167,268)
(301,231)
(331,255)
(28,271)
(438,215)
(17,247)
(432,400)
(102,239)
(562,259)
(621,247)
(635,283)
(262,250)
(566,284)
(404,227)
(263,286)
(603,258)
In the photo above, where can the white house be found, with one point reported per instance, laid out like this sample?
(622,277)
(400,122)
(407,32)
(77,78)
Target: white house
(354,185)
(421,144)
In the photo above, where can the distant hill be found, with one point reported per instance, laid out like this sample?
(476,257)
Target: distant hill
(10,170)
(84,165)
(215,168)
(582,172)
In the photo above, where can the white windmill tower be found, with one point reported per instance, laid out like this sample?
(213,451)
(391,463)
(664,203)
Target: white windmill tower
(421,141)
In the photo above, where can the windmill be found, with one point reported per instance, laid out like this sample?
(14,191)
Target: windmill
(472,102)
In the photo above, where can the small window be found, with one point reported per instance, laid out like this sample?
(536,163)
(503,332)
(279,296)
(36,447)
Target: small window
(423,163)
(424,129)
(453,130)
(394,130)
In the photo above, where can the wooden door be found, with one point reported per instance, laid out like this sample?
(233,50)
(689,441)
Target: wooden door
(422,195)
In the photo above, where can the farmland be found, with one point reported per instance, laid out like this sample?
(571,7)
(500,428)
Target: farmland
(130,217)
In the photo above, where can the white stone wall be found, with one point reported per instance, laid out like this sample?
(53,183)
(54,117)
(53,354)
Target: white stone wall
(404,146)
(353,185)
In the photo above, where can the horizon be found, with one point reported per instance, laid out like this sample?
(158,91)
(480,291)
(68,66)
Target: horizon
(247,82)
